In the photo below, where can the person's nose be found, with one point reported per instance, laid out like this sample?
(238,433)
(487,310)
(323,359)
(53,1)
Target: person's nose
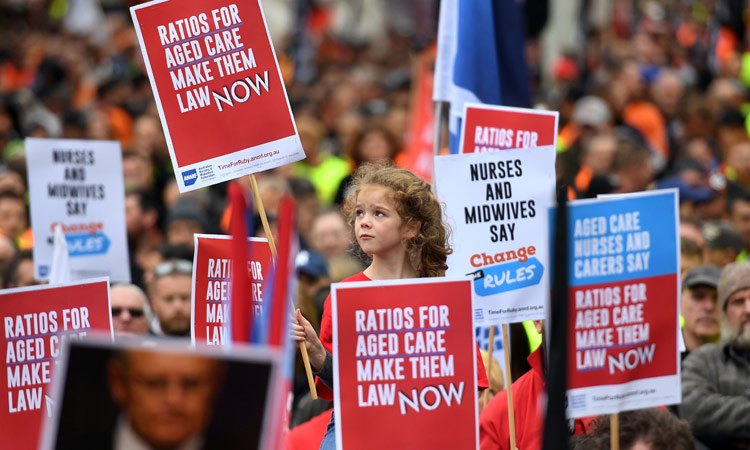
(365,221)
(174,394)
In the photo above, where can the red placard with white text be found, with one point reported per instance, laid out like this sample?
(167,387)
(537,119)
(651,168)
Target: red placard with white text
(37,321)
(489,128)
(405,359)
(212,284)
(218,88)
(623,305)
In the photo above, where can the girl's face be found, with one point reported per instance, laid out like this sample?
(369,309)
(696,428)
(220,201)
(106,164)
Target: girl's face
(377,224)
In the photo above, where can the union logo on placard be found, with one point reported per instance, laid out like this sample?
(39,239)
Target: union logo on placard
(507,277)
(189,177)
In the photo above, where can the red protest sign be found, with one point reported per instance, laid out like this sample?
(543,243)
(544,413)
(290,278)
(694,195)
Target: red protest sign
(404,353)
(616,331)
(218,88)
(36,323)
(212,285)
(623,303)
(489,128)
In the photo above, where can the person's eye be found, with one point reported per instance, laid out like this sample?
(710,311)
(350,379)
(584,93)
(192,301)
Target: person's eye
(153,383)
(359,213)
(379,213)
(190,384)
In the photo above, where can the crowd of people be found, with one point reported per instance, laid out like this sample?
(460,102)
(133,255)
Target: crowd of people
(654,96)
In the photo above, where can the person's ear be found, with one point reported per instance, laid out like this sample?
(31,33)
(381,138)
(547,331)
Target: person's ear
(411,229)
(116,381)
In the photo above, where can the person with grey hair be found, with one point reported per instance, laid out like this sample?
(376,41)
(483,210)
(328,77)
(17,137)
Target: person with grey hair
(716,377)
(131,312)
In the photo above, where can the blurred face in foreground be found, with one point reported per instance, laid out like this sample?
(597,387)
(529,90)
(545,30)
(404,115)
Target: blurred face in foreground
(168,398)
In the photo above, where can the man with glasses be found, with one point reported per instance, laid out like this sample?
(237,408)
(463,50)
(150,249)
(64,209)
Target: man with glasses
(130,311)
(166,399)
(170,295)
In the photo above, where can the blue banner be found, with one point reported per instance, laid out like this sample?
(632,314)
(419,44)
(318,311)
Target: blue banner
(480,57)
(623,238)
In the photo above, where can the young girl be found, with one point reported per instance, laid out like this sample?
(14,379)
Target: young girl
(398,222)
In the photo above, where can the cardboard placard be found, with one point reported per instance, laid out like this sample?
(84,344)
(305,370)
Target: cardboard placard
(623,304)
(79,185)
(404,359)
(491,127)
(160,393)
(496,204)
(218,88)
(212,285)
(37,321)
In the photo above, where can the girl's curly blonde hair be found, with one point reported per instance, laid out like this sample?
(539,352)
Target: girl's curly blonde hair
(414,202)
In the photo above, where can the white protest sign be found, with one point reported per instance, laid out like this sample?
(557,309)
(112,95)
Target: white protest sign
(496,204)
(78,185)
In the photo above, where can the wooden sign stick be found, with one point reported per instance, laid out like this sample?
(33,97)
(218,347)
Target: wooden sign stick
(490,348)
(614,431)
(272,244)
(508,383)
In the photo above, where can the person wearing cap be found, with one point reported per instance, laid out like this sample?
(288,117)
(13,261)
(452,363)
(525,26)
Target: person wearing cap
(724,243)
(184,219)
(716,377)
(170,294)
(314,285)
(698,307)
(695,193)
(591,116)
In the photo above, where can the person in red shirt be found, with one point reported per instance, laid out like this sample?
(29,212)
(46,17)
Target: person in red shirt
(397,221)
(528,397)
(528,393)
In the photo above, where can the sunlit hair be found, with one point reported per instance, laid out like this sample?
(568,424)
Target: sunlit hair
(414,202)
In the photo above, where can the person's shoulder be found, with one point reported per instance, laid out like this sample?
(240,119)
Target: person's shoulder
(704,354)
(358,277)
(495,413)
(308,435)
(707,350)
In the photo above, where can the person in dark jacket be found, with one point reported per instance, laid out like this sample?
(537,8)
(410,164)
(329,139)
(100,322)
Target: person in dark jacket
(716,377)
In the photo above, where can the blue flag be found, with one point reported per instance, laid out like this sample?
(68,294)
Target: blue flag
(480,58)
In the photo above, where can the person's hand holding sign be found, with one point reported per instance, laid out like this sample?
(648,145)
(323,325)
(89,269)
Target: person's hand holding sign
(303,331)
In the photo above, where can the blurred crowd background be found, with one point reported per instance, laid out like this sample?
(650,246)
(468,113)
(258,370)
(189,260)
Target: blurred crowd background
(650,94)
